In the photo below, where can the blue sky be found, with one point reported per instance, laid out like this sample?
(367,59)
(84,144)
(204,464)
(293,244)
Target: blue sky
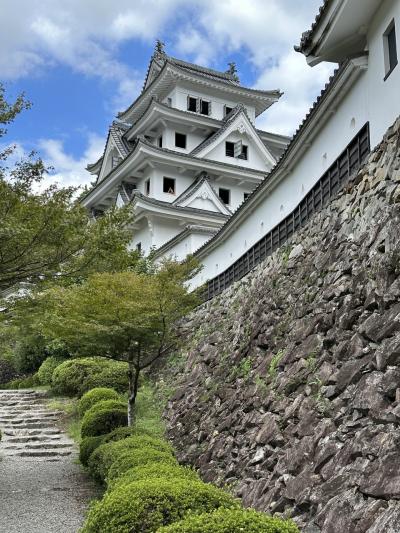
(81,61)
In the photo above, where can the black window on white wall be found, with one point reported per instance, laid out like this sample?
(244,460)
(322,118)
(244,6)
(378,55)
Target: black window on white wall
(192,103)
(390,49)
(225,195)
(205,107)
(230,149)
(147,187)
(237,149)
(169,185)
(180,140)
(227,110)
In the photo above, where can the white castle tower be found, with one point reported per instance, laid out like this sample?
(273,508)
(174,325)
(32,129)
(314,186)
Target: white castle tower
(185,154)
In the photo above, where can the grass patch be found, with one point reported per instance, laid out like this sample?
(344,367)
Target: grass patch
(70,420)
(148,412)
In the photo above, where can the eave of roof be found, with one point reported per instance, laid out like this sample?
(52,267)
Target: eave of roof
(308,35)
(170,206)
(179,238)
(159,59)
(116,131)
(165,151)
(200,179)
(213,122)
(226,123)
(272,95)
(280,165)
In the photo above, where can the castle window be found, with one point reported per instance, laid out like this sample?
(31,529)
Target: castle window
(390,49)
(243,153)
(169,185)
(180,140)
(139,247)
(159,141)
(192,104)
(227,110)
(169,102)
(147,187)
(246,195)
(229,149)
(205,107)
(225,195)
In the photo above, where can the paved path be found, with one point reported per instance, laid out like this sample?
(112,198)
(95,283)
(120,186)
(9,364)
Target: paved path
(43,489)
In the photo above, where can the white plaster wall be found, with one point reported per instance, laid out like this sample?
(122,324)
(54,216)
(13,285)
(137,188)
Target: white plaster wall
(237,192)
(383,96)
(370,99)
(188,245)
(179,100)
(142,235)
(255,157)
(155,234)
(193,139)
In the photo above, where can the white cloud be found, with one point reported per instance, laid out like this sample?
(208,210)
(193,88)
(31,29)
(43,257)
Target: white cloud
(86,35)
(68,170)
(266,31)
(300,85)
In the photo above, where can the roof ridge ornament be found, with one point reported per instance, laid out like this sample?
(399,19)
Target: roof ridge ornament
(159,49)
(232,70)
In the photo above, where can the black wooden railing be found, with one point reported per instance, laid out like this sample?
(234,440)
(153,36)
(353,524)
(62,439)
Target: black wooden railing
(326,188)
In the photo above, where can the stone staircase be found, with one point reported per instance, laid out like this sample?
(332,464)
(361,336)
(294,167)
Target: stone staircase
(29,427)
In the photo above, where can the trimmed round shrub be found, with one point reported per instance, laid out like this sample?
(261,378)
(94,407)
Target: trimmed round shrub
(106,454)
(143,506)
(105,404)
(154,470)
(47,368)
(99,394)
(134,458)
(124,433)
(87,447)
(114,375)
(231,521)
(90,444)
(102,421)
(76,376)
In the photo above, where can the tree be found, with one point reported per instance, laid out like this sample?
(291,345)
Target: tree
(126,316)
(45,233)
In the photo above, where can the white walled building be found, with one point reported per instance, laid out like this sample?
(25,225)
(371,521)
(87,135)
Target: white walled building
(351,116)
(184,155)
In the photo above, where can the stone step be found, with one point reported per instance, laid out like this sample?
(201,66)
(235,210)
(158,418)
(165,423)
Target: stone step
(37,446)
(20,431)
(41,453)
(33,438)
(28,425)
(28,416)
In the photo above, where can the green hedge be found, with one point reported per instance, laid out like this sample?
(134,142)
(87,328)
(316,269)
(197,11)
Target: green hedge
(46,369)
(89,444)
(87,447)
(104,456)
(99,394)
(154,470)
(134,458)
(77,376)
(144,506)
(231,521)
(101,421)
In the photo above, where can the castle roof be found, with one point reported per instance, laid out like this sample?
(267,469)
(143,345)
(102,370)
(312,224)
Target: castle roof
(164,73)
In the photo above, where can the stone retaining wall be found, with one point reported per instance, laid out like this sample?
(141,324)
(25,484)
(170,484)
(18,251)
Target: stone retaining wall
(291,388)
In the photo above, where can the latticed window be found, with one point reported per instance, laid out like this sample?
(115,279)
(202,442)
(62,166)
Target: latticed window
(390,49)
